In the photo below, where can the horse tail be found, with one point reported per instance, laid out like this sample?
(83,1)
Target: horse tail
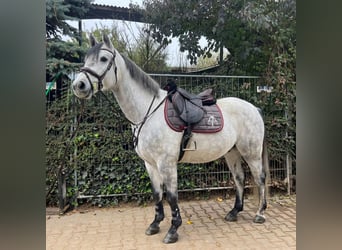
(265,166)
(264,175)
(265,160)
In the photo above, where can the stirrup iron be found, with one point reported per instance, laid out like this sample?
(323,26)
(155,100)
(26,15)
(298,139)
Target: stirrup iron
(189,148)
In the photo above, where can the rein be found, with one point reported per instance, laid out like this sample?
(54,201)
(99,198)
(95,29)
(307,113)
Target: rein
(138,126)
(86,71)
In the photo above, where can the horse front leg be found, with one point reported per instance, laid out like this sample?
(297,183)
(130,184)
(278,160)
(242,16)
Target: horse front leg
(172,235)
(157,187)
(172,199)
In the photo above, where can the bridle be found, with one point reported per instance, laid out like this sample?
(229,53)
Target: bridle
(86,71)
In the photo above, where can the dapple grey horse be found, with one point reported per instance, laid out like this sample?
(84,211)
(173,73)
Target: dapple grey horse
(142,101)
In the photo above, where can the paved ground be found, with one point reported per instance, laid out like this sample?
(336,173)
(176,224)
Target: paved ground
(203,227)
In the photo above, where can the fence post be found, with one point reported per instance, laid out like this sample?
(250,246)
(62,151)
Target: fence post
(61,191)
(288,162)
(73,154)
(288,173)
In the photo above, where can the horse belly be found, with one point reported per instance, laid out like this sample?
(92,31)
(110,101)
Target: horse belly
(209,147)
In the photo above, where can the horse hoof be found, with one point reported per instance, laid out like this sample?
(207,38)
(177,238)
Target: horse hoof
(259,219)
(170,238)
(230,217)
(152,230)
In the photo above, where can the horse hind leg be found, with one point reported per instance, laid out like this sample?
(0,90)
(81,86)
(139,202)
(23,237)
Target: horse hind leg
(259,175)
(233,159)
(157,187)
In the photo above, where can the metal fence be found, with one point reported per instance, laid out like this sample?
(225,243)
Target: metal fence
(214,175)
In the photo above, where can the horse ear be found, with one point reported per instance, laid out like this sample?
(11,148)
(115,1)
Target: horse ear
(107,41)
(92,40)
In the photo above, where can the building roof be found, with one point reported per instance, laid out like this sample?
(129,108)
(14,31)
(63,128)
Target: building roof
(100,11)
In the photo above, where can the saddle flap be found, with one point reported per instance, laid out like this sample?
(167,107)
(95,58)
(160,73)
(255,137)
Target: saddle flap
(178,102)
(193,111)
(190,111)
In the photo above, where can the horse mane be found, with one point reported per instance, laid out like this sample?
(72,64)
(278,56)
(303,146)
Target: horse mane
(140,76)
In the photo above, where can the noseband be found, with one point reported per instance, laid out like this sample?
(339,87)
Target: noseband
(87,71)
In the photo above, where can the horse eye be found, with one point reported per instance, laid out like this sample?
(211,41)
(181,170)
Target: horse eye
(103,59)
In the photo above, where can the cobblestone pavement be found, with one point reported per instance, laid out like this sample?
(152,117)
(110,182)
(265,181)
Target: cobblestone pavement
(203,227)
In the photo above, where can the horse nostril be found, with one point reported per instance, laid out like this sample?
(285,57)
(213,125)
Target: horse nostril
(81,85)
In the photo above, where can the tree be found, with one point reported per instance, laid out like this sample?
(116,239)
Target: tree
(58,11)
(189,20)
(63,57)
(138,46)
(231,24)
(148,54)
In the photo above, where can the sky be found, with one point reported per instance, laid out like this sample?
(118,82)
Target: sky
(175,57)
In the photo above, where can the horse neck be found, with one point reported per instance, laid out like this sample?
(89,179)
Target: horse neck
(133,99)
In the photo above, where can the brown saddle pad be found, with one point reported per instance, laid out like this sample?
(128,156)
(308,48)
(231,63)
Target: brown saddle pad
(211,122)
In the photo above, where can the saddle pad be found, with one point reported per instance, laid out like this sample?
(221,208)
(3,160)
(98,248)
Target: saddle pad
(211,122)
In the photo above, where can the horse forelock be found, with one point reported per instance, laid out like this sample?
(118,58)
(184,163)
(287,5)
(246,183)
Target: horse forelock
(95,50)
(140,76)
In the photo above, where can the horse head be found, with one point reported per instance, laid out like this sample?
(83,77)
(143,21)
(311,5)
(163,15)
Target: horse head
(99,71)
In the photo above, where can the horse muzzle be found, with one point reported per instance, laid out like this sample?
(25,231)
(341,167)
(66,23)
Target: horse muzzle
(82,89)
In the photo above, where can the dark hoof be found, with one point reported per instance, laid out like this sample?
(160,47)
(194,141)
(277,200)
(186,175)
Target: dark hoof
(231,217)
(151,230)
(170,238)
(259,219)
